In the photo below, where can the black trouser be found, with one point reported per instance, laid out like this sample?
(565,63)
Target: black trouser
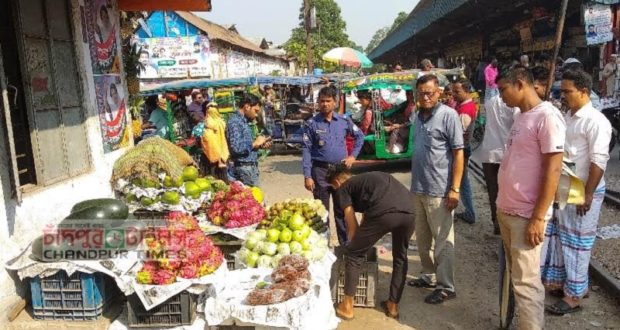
(401,226)
(490,177)
(322,191)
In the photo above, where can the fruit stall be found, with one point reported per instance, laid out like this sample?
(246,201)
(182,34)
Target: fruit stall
(176,249)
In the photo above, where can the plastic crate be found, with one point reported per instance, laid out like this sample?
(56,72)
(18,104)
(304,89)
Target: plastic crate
(176,311)
(143,214)
(229,245)
(79,297)
(367,282)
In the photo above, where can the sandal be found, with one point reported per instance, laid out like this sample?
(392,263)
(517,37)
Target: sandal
(420,283)
(558,293)
(561,308)
(387,311)
(342,316)
(439,296)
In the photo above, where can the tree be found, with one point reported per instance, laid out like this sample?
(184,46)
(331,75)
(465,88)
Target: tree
(400,18)
(330,34)
(377,38)
(384,31)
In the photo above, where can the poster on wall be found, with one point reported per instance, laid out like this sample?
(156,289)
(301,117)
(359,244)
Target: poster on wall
(598,24)
(101,31)
(102,25)
(179,57)
(112,112)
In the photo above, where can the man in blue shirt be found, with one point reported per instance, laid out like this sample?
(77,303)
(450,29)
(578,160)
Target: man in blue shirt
(436,172)
(324,146)
(241,143)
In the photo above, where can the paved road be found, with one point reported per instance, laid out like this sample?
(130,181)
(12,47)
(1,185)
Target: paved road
(476,306)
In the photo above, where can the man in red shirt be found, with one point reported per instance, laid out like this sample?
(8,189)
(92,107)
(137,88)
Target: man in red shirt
(467,110)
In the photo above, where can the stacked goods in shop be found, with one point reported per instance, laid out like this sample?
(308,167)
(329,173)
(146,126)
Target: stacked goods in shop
(237,207)
(178,250)
(158,175)
(311,211)
(265,247)
(290,279)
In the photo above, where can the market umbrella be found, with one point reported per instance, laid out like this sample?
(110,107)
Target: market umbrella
(348,57)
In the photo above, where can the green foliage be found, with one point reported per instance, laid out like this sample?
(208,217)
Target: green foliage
(377,38)
(400,18)
(330,34)
(384,31)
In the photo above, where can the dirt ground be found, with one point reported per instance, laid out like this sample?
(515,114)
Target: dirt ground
(476,305)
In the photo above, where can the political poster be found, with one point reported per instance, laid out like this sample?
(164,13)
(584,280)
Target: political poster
(112,112)
(178,57)
(102,31)
(598,24)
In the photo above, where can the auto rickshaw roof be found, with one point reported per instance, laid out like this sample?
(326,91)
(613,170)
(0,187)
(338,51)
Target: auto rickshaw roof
(188,84)
(405,79)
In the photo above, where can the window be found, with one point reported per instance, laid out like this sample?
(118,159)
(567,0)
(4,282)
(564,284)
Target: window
(47,113)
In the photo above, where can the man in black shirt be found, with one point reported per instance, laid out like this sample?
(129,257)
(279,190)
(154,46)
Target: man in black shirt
(387,207)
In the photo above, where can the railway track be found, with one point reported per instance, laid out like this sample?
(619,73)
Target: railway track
(597,271)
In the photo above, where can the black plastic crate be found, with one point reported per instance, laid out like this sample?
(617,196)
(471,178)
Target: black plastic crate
(176,311)
(229,245)
(143,214)
(367,282)
(79,297)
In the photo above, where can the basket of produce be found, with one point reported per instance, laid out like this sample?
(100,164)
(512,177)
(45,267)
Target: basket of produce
(286,232)
(179,250)
(237,207)
(157,175)
(289,279)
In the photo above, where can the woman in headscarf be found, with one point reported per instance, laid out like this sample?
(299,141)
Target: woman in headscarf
(214,145)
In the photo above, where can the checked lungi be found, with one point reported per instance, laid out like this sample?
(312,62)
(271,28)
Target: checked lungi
(567,248)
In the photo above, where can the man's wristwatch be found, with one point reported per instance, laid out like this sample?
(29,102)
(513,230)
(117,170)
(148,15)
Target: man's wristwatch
(456,190)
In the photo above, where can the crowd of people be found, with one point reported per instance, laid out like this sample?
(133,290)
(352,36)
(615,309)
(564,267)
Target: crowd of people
(528,145)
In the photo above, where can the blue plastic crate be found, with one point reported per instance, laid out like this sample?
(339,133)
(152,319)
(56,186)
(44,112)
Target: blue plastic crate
(79,297)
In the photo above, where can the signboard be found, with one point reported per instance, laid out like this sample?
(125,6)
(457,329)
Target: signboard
(179,57)
(598,24)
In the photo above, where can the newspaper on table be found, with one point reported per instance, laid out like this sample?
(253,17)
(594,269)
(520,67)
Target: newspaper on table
(209,229)
(313,310)
(185,204)
(122,269)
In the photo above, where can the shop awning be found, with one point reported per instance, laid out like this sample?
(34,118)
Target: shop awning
(422,16)
(153,5)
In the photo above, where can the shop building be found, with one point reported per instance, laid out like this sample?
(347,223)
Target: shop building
(63,115)
(451,32)
(173,39)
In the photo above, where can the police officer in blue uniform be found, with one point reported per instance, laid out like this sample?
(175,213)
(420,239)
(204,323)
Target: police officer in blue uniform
(324,146)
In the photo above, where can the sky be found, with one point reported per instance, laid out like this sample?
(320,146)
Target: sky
(274,19)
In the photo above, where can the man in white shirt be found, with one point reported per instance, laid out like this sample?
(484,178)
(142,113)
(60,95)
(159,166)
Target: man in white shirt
(499,120)
(570,235)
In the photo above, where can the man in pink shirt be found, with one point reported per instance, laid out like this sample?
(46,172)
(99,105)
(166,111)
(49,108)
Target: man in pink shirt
(490,75)
(528,179)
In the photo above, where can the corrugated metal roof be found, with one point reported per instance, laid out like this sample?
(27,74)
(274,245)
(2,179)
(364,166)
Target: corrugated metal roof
(218,32)
(423,15)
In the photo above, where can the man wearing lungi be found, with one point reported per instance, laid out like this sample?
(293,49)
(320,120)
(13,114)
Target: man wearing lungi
(570,235)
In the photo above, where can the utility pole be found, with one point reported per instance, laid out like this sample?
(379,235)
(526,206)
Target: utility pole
(558,43)
(309,52)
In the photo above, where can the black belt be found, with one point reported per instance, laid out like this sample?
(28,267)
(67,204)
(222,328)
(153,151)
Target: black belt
(237,164)
(316,163)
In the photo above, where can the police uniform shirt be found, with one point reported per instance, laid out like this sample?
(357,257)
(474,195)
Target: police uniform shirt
(324,141)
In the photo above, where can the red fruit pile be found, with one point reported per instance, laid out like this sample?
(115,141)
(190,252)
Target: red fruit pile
(235,208)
